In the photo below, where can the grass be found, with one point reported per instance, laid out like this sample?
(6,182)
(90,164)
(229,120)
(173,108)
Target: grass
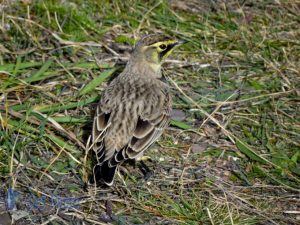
(232,158)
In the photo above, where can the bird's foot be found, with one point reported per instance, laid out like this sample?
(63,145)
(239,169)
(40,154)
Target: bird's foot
(146,171)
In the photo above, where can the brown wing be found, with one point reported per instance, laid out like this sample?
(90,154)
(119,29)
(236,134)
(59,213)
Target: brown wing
(149,128)
(100,124)
(102,172)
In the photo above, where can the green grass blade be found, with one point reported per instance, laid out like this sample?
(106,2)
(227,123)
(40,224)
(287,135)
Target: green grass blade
(249,152)
(181,125)
(275,179)
(70,119)
(87,65)
(18,65)
(58,107)
(25,65)
(21,125)
(36,76)
(96,82)
(61,143)
(29,130)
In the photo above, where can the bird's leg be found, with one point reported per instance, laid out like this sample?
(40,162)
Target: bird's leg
(107,217)
(145,170)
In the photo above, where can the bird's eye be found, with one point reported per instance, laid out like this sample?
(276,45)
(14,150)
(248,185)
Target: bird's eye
(162,46)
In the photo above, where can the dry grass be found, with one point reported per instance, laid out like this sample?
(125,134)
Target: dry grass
(232,153)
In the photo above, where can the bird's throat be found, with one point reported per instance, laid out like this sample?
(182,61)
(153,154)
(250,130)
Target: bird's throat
(145,69)
(156,68)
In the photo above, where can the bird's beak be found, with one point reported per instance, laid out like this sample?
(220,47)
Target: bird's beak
(181,42)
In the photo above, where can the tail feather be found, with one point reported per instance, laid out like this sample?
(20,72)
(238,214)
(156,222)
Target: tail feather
(103,174)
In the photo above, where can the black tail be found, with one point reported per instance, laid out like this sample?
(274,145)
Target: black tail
(103,174)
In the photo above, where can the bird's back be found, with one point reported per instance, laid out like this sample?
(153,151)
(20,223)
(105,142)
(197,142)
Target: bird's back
(130,116)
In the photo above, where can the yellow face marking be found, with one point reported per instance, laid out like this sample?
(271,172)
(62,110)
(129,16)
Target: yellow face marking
(165,43)
(163,49)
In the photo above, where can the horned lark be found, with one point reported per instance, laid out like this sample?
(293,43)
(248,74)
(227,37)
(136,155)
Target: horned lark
(134,109)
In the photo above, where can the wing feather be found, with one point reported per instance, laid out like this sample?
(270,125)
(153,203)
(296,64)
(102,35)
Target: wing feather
(149,129)
(98,133)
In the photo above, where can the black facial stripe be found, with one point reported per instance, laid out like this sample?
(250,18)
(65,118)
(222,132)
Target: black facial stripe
(169,47)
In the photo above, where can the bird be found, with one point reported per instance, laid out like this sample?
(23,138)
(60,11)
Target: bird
(134,108)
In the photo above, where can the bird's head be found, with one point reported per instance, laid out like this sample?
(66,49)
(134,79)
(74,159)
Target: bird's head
(154,49)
